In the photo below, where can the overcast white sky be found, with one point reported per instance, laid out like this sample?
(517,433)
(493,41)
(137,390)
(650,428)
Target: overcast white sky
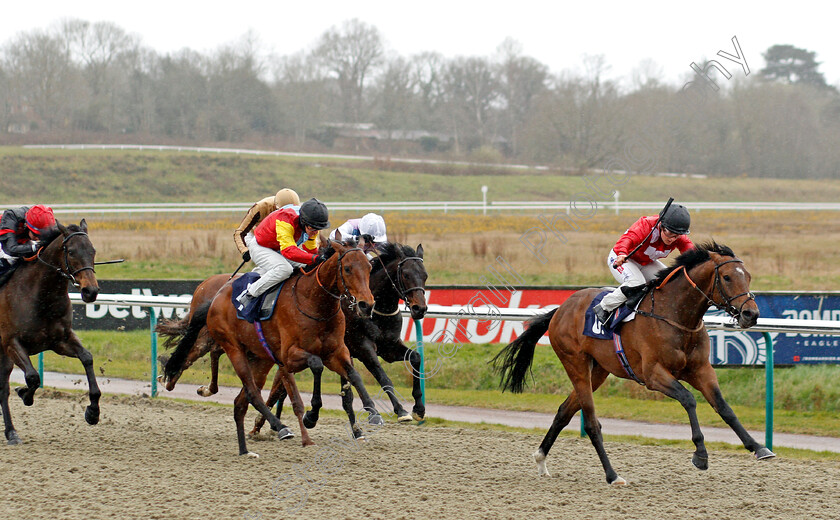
(558,34)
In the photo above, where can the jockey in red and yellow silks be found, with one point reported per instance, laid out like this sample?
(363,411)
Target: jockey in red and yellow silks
(285,239)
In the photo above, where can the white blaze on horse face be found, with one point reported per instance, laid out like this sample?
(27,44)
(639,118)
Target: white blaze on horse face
(739,270)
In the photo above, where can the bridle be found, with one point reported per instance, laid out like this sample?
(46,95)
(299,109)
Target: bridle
(726,306)
(67,272)
(344,295)
(399,286)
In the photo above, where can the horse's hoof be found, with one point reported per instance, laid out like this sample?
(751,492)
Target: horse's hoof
(22,393)
(700,462)
(13,439)
(252,455)
(418,416)
(285,433)
(203,391)
(539,458)
(358,433)
(310,420)
(763,453)
(618,482)
(376,419)
(91,415)
(404,418)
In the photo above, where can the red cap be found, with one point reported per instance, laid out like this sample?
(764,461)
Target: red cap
(39,217)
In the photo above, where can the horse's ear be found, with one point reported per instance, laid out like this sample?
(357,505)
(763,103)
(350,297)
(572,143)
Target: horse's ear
(61,228)
(419,250)
(83,226)
(338,235)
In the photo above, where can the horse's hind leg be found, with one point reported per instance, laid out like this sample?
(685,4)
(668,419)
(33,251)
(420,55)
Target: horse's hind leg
(213,387)
(277,395)
(704,379)
(579,373)
(6,366)
(565,412)
(72,347)
(33,380)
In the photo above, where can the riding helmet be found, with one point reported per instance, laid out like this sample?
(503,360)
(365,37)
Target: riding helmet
(314,213)
(285,197)
(373,225)
(676,219)
(39,217)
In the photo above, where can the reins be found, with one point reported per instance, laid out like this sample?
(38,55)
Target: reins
(726,305)
(65,273)
(345,294)
(400,289)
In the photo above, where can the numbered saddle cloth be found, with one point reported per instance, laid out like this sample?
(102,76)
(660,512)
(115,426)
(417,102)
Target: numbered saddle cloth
(593,328)
(260,308)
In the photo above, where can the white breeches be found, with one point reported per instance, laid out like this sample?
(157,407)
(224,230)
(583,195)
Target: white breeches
(629,274)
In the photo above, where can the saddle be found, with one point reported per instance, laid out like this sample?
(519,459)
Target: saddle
(593,328)
(6,271)
(261,308)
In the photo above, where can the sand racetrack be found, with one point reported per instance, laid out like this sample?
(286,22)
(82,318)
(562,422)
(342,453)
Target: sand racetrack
(164,459)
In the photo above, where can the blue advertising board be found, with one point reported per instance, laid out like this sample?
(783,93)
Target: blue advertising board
(748,348)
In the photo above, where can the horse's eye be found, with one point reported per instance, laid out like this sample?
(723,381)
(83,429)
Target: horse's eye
(726,277)
(347,269)
(71,253)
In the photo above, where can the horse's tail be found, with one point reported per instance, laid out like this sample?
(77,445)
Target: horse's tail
(173,330)
(198,321)
(514,361)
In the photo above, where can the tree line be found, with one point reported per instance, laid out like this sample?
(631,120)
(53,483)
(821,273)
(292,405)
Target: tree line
(96,81)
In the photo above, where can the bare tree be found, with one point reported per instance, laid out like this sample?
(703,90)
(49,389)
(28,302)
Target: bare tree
(520,80)
(301,94)
(351,53)
(470,89)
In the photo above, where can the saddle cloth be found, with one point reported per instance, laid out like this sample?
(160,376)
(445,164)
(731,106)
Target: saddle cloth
(260,308)
(593,328)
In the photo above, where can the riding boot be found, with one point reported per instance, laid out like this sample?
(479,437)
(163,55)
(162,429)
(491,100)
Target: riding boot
(602,314)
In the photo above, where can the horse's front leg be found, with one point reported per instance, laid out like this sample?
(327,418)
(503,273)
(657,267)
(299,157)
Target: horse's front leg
(6,366)
(341,364)
(393,350)
(297,403)
(310,418)
(705,380)
(276,395)
(72,347)
(366,353)
(30,374)
(659,379)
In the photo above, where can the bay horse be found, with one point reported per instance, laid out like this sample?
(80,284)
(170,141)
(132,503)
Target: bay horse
(307,321)
(665,343)
(398,274)
(36,314)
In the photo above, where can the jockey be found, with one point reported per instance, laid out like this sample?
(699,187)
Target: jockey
(650,241)
(20,230)
(285,239)
(371,227)
(257,213)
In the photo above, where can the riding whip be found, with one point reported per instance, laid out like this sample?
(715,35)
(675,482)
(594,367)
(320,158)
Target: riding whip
(237,270)
(661,214)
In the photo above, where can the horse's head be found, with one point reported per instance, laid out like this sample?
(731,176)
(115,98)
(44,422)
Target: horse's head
(731,290)
(353,274)
(72,254)
(411,281)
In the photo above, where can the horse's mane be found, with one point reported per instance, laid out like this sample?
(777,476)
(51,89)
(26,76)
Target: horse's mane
(692,258)
(390,251)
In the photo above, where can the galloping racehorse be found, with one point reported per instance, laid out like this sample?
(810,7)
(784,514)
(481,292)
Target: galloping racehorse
(36,315)
(397,273)
(666,342)
(307,321)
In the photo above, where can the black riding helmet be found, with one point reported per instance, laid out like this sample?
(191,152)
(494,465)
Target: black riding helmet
(314,213)
(676,219)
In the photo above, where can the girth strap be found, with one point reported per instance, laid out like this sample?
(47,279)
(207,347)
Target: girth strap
(264,343)
(622,358)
